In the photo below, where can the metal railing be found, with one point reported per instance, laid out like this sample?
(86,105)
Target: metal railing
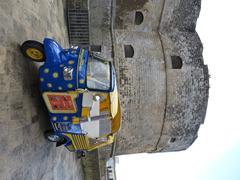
(78,22)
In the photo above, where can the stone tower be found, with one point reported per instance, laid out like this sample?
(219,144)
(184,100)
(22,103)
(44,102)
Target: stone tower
(162,79)
(164,83)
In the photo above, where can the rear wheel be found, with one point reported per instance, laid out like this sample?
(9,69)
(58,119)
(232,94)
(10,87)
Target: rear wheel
(81,154)
(33,50)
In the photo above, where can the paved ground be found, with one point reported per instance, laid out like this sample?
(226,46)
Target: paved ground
(24,153)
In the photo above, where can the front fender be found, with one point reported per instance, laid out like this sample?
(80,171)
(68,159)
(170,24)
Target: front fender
(53,51)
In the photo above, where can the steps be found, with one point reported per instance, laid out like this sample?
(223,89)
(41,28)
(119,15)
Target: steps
(78,25)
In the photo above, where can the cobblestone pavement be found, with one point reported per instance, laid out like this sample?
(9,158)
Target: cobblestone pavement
(24,153)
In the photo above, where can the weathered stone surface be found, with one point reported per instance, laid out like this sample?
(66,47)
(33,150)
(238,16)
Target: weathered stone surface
(100,19)
(142,90)
(162,107)
(24,153)
(187,92)
(182,93)
(90,165)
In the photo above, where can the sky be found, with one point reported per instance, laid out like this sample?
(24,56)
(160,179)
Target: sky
(215,155)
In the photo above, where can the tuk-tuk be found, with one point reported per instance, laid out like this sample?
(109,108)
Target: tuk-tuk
(80,91)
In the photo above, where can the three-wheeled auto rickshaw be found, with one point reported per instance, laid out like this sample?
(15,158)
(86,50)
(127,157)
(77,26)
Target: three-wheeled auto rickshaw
(80,91)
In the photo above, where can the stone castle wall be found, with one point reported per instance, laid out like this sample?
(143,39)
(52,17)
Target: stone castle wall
(142,91)
(187,88)
(100,25)
(162,106)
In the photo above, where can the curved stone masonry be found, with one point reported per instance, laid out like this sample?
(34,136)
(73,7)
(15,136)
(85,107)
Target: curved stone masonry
(163,106)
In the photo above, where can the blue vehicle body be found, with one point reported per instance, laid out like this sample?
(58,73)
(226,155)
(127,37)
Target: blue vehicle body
(52,80)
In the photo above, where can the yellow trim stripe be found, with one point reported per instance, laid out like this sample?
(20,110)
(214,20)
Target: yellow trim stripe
(85,112)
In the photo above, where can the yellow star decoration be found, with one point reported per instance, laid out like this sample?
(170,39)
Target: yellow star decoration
(70,85)
(49,85)
(55,75)
(71,62)
(46,70)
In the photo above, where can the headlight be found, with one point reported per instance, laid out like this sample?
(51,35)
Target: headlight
(67,73)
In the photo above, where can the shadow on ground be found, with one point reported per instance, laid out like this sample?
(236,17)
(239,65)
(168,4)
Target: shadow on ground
(24,153)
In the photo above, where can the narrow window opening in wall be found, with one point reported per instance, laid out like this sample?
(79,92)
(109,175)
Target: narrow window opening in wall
(176,62)
(172,140)
(138,17)
(96,48)
(129,51)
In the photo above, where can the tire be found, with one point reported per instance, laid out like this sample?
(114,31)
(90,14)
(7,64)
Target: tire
(81,154)
(52,137)
(33,50)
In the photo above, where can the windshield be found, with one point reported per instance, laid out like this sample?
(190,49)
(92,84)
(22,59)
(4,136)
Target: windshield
(98,74)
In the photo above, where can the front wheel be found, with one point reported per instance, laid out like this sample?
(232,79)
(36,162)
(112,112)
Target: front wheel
(33,50)
(52,137)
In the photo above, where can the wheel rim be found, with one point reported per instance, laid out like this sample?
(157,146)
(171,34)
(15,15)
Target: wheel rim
(34,54)
(54,137)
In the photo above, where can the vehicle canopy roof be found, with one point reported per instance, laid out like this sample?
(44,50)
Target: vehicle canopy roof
(115,110)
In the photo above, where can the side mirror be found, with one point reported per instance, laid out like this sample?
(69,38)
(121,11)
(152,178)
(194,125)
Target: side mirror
(96,98)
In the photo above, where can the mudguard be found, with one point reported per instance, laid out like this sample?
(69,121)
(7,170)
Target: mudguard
(54,52)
